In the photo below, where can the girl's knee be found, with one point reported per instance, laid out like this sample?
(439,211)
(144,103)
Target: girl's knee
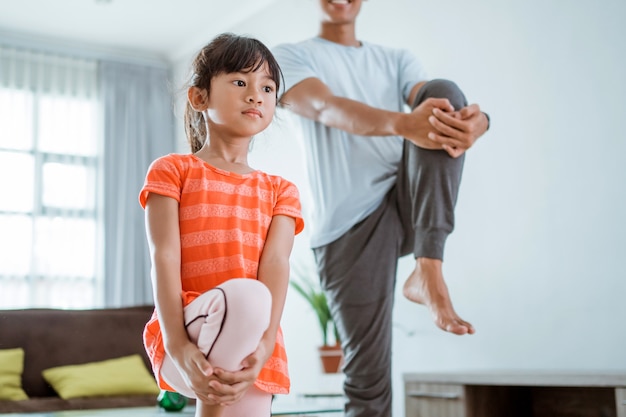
(247,298)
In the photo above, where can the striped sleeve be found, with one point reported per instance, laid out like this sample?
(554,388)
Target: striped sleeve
(288,203)
(164,177)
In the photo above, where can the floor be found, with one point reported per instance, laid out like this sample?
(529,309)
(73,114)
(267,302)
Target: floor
(291,405)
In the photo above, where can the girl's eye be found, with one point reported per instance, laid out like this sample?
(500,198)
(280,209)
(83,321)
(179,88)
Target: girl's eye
(268,89)
(239,83)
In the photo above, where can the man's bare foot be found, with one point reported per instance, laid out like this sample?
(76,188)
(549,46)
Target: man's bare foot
(426,286)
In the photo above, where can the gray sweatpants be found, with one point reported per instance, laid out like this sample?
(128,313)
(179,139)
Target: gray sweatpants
(358,270)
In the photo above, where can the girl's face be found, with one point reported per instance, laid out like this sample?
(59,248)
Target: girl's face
(242,104)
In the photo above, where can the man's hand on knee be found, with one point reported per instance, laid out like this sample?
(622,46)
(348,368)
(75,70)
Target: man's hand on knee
(416,126)
(457,131)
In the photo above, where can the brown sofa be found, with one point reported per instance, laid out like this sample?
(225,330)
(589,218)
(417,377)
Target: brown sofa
(52,337)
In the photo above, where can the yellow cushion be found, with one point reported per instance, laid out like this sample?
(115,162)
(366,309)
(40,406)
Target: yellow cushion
(127,375)
(11,368)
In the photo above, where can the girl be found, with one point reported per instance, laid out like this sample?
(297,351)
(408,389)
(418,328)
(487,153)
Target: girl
(220,234)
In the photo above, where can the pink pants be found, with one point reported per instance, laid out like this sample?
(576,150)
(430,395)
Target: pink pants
(227,323)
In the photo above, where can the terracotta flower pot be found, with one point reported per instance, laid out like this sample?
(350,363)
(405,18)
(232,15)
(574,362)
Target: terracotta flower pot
(331,357)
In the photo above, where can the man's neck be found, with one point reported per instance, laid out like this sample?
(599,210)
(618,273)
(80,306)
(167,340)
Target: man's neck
(343,34)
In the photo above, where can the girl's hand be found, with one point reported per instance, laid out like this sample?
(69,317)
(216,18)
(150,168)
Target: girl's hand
(229,387)
(196,371)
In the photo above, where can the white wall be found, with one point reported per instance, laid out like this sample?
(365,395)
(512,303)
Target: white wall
(536,262)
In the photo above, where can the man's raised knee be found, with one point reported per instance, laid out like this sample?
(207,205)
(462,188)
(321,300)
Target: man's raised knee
(441,88)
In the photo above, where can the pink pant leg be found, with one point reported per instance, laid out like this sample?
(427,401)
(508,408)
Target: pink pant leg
(227,323)
(255,403)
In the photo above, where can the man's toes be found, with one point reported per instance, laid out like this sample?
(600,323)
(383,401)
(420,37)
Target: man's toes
(470,328)
(457,328)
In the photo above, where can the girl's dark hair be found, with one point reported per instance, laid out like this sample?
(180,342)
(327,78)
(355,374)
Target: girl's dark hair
(227,53)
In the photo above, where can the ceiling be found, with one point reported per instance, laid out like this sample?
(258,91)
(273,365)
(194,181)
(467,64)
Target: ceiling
(166,29)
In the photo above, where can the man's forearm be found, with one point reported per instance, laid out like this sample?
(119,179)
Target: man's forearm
(357,118)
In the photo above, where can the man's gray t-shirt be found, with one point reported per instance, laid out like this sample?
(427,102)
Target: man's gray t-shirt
(349,174)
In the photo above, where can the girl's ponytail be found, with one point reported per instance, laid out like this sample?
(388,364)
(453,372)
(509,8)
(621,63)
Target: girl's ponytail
(195,128)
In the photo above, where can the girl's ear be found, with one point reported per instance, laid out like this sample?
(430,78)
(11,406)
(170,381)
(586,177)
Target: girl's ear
(198,98)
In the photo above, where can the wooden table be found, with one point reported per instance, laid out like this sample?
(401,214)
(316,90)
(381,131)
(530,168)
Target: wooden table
(515,394)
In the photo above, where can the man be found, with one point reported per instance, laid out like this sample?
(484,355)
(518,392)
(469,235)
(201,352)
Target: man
(384,183)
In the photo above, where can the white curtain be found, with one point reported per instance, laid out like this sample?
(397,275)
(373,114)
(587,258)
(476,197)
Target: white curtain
(76,138)
(138,128)
(49,168)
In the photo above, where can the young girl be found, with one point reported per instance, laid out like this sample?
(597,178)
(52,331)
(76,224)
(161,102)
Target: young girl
(220,234)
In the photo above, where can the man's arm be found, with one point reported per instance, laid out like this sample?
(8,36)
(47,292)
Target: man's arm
(311,98)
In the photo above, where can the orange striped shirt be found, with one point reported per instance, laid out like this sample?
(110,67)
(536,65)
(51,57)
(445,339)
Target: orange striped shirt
(224,219)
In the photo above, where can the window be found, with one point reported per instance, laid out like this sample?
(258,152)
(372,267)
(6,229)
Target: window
(49,162)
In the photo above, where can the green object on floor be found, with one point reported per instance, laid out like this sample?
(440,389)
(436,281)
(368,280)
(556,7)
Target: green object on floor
(171,401)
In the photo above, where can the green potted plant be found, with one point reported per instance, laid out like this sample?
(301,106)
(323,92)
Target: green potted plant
(331,356)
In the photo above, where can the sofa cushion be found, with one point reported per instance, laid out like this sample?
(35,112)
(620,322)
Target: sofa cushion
(55,337)
(120,376)
(11,368)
